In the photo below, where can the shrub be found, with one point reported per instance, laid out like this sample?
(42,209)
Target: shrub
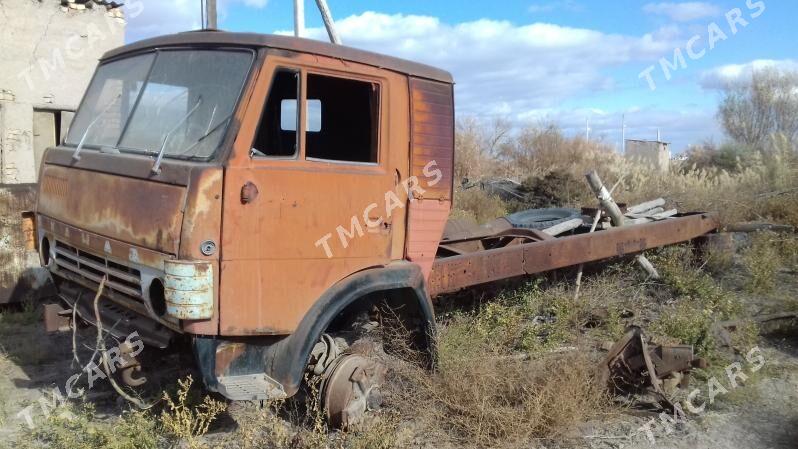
(479,398)
(761,261)
(557,188)
(186,421)
(477,205)
(709,158)
(700,301)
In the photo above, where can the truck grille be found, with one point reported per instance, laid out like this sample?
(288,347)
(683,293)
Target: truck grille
(92,267)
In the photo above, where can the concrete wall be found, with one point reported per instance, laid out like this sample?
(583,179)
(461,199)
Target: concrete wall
(49,53)
(651,153)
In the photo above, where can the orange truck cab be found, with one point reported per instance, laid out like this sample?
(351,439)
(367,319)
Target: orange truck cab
(248,192)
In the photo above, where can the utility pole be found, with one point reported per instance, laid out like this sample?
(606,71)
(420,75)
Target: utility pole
(210,14)
(299,18)
(623,134)
(328,21)
(587,129)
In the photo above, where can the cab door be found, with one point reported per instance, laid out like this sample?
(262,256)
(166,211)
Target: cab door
(313,188)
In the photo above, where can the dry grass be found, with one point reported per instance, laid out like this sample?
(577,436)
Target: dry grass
(474,204)
(762,260)
(482,398)
(502,378)
(763,186)
(76,427)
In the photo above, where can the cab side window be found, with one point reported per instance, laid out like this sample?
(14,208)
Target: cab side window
(343,119)
(277,131)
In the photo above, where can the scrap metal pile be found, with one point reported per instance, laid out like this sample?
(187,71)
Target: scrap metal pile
(539,240)
(633,366)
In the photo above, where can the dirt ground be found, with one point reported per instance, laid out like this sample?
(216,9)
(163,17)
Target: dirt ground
(33,363)
(761,413)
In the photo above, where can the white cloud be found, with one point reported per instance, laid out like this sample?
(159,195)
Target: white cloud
(684,11)
(720,77)
(256,3)
(499,66)
(567,5)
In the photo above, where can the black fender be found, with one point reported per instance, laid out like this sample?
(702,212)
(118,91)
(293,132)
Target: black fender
(292,353)
(284,359)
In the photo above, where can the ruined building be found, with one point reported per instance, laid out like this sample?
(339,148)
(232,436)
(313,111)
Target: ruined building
(48,52)
(651,153)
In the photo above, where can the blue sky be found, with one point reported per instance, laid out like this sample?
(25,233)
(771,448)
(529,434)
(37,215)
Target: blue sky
(563,61)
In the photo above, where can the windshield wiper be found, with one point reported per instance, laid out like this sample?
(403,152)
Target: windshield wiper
(156,168)
(76,154)
(205,136)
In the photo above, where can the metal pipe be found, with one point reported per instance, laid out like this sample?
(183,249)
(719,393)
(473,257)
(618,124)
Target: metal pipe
(211,14)
(299,18)
(328,21)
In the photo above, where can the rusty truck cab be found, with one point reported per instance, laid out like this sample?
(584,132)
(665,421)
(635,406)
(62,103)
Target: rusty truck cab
(244,190)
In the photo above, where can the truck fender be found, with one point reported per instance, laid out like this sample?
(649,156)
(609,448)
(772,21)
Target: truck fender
(290,356)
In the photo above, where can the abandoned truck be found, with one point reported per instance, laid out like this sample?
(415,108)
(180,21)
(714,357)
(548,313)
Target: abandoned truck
(268,198)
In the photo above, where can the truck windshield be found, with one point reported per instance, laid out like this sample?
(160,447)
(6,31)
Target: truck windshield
(178,100)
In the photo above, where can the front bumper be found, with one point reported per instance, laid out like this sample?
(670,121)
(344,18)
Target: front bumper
(153,286)
(118,321)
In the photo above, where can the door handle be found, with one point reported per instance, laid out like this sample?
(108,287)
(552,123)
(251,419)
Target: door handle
(249,192)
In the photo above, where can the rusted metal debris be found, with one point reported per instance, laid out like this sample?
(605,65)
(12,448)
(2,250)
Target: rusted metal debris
(618,219)
(632,365)
(56,318)
(130,367)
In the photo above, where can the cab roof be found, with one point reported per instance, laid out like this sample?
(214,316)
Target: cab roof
(300,45)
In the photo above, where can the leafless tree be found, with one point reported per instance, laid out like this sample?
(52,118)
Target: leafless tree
(755,112)
(479,143)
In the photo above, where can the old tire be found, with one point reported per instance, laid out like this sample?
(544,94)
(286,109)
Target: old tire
(542,218)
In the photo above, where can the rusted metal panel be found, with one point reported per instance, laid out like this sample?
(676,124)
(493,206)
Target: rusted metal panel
(173,171)
(426,221)
(79,238)
(432,136)
(142,213)
(188,289)
(274,265)
(201,236)
(20,275)
(457,272)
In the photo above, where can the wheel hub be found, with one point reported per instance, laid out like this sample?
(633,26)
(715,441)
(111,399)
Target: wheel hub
(352,388)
